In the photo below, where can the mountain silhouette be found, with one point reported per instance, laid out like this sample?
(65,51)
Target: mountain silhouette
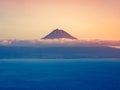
(58,34)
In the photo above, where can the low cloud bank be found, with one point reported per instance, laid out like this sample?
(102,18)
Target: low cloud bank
(59,42)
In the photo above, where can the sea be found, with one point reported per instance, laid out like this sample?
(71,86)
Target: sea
(60,74)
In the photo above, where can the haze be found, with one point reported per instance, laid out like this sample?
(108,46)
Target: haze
(84,19)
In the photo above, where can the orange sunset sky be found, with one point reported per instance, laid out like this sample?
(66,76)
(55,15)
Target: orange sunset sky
(84,19)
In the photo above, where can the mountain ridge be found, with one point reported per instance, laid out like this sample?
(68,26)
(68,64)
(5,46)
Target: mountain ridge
(58,34)
(58,52)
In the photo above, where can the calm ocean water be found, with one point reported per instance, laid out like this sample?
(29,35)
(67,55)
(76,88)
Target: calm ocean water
(59,74)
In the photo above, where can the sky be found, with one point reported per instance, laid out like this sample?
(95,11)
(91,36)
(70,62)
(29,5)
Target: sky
(84,19)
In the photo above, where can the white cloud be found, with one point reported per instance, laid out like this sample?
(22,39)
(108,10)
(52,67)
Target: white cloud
(59,43)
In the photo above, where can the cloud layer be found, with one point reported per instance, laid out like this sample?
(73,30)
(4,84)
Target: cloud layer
(58,43)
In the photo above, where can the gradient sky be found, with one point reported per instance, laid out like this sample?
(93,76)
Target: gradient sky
(84,19)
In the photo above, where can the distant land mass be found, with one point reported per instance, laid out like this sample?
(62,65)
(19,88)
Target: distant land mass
(59,44)
(58,38)
(58,34)
(7,52)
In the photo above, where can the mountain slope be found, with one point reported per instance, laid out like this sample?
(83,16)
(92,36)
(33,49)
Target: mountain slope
(58,34)
(59,52)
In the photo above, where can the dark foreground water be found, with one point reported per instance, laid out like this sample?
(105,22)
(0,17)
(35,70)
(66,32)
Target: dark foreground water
(59,74)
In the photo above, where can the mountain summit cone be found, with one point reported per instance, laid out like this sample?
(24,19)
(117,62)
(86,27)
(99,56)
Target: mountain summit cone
(59,34)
